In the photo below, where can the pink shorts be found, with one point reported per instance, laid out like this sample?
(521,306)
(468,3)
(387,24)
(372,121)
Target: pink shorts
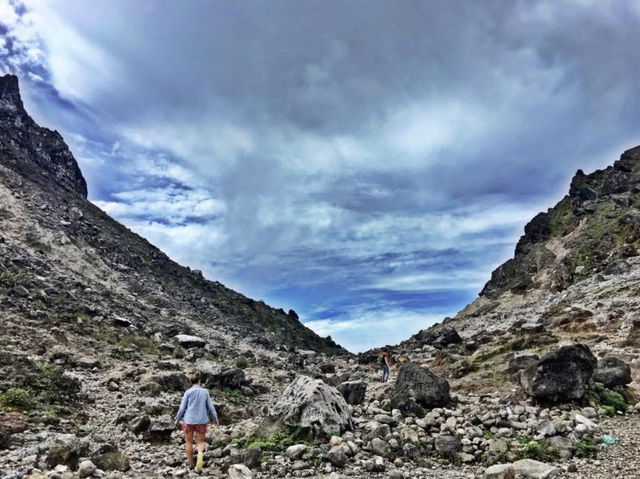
(197,428)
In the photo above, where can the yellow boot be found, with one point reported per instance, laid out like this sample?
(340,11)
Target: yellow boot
(200,461)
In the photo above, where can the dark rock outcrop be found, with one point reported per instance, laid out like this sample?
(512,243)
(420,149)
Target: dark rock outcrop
(416,388)
(562,375)
(612,372)
(353,391)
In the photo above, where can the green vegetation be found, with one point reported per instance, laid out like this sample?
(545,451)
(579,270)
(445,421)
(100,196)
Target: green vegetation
(278,442)
(9,278)
(586,448)
(17,398)
(142,344)
(50,416)
(609,399)
(242,363)
(83,316)
(532,450)
(234,396)
(488,435)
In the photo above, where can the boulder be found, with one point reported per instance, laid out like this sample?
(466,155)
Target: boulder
(168,381)
(612,372)
(65,449)
(239,471)
(535,469)
(353,391)
(500,471)
(111,461)
(337,456)
(380,447)
(252,457)
(522,360)
(188,341)
(86,468)
(160,430)
(140,424)
(562,375)
(215,375)
(310,404)
(447,446)
(438,336)
(619,266)
(296,451)
(418,387)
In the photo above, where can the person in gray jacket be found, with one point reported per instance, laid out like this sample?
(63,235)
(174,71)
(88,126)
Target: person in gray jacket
(195,411)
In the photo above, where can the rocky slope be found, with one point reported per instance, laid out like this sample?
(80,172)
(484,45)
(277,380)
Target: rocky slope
(100,329)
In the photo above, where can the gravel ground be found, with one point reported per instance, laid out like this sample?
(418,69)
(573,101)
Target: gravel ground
(621,461)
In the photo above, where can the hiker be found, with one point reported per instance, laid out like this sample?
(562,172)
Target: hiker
(193,415)
(383,359)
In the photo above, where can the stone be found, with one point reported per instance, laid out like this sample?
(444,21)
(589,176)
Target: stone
(353,391)
(562,375)
(618,266)
(252,457)
(337,456)
(522,360)
(86,468)
(160,430)
(438,336)
(65,449)
(500,471)
(417,387)
(380,447)
(535,469)
(310,404)
(612,372)
(447,446)
(215,375)
(140,424)
(150,388)
(296,451)
(532,328)
(20,291)
(187,341)
(112,461)
(168,381)
(239,471)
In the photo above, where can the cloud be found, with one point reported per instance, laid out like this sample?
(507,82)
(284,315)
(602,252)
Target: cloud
(321,156)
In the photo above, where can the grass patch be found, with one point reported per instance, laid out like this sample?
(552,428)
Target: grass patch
(242,363)
(586,448)
(278,442)
(532,450)
(17,398)
(609,399)
(141,344)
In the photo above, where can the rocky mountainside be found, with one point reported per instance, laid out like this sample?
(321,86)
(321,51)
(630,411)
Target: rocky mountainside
(63,258)
(99,330)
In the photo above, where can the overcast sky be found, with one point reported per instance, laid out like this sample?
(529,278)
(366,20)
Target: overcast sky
(367,163)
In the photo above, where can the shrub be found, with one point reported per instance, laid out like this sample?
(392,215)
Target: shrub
(532,450)
(611,400)
(242,363)
(17,397)
(586,448)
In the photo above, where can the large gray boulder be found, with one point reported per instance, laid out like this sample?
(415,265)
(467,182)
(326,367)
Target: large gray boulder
(353,391)
(417,387)
(65,449)
(522,360)
(612,372)
(535,469)
(562,375)
(310,404)
(215,375)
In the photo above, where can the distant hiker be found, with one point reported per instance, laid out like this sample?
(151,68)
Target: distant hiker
(196,409)
(383,360)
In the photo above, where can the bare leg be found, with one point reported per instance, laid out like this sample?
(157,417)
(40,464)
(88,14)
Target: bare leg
(188,437)
(200,445)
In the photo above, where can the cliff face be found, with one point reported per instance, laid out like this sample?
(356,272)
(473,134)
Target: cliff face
(37,153)
(591,228)
(52,238)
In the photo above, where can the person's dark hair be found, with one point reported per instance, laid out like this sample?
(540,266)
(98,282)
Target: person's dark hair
(195,377)
(385,350)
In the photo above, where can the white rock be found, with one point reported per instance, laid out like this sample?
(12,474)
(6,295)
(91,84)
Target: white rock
(240,471)
(500,471)
(535,469)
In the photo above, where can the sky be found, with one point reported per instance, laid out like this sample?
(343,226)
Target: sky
(367,163)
